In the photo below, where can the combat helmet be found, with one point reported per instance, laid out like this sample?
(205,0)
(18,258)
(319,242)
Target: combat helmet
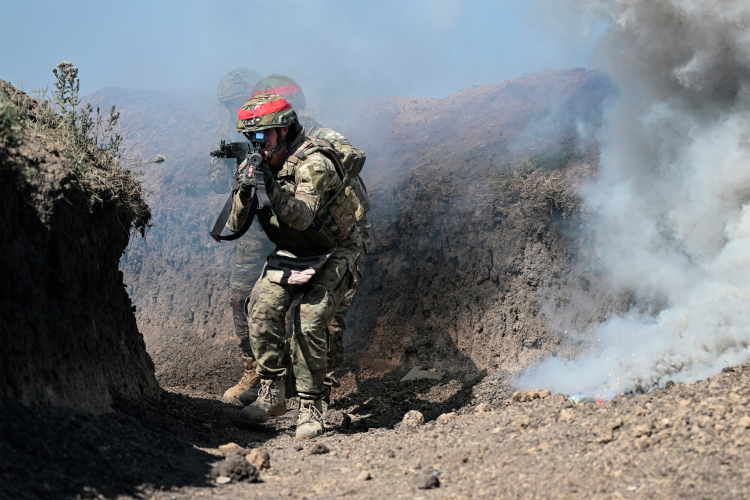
(266,111)
(236,85)
(283,86)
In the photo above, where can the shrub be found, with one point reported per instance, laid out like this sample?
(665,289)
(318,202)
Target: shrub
(86,137)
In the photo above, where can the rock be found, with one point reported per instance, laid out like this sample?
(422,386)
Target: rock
(669,384)
(745,422)
(522,424)
(259,458)
(413,418)
(299,447)
(337,418)
(481,408)
(319,449)
(426,481)
(363,476)
(640,430)
(728,369)
(497,430)
(417,373)
(222,480)
(230,448)
(530,395)
(235,468)
(447,417)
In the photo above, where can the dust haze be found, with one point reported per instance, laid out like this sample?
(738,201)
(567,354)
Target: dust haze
(671,204)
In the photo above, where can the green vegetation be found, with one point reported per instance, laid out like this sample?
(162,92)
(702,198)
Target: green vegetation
(10,122)
(545,160)
(86,137)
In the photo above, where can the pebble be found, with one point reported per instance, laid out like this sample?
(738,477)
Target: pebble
(530,395)
(319,449)
(261,459)
(426,482)
(363,476)
(481,408)
(447,417)
(337,418)
(413,418)
(225,449)
(222,480)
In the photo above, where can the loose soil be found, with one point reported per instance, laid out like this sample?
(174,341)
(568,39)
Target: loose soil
(689,441)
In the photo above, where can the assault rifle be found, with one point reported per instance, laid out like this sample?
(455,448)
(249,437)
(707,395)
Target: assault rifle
(250,151)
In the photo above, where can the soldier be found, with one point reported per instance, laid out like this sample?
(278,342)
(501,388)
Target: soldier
(310,214)
(251,249)
(286,87)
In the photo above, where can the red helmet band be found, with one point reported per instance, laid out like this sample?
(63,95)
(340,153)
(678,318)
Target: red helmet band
(264,109)
(283,91)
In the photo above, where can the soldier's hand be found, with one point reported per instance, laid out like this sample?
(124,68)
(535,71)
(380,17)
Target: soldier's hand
(247,179)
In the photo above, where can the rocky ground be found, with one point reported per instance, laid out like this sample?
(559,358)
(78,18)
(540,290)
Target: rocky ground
(688,441)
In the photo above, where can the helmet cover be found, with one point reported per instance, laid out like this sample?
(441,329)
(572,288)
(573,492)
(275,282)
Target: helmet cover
(238,83)
(283,86)
(265,111)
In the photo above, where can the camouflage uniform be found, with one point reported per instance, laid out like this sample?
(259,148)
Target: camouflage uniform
(338,324)
(300,191)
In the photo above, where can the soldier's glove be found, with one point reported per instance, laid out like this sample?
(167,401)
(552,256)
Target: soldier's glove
(247,179)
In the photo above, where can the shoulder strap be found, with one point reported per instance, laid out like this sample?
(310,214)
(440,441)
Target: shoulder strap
(221,220)
(314,145)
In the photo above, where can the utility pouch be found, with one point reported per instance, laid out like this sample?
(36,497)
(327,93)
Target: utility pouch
(352,158)
(295,268)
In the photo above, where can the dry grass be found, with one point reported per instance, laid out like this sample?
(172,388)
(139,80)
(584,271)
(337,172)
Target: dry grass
(84,136)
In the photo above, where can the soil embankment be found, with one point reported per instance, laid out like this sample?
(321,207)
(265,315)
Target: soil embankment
(68,335)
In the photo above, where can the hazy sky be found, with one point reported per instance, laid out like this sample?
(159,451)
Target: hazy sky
(425,48)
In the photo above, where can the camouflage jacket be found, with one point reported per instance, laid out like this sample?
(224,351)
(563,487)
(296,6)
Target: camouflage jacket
(221,171)
(300,193)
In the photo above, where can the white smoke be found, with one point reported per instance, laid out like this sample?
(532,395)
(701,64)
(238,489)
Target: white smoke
(672,200)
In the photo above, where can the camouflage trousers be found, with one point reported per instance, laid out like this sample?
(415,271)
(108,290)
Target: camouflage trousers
(249,259)
(338,324)
(319,300)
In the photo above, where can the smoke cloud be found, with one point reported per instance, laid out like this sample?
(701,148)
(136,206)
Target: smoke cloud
(672,200)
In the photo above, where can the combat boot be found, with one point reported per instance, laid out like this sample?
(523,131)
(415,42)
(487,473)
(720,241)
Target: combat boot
(310,419)
(270,403)
(248,383)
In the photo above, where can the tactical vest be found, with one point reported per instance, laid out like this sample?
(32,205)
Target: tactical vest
(336,220)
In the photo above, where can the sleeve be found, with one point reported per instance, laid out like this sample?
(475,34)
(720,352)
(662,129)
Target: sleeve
(218,175)
(240,208)
(312,177)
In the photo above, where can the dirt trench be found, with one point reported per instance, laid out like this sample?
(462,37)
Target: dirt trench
(68,335)
(462,270)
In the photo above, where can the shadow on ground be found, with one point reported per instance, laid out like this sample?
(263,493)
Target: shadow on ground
(142,446)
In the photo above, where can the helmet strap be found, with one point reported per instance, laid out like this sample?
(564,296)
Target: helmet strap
(280,146)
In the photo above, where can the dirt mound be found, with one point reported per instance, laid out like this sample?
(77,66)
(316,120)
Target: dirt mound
(473,207)
(68,335)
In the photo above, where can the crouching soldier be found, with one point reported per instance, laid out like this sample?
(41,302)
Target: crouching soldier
(309,209)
